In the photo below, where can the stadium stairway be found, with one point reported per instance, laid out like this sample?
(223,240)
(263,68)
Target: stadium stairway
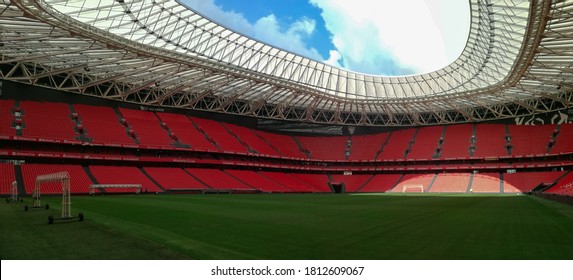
(431,183)
(267,141)
(366,183)
(196,178)
(19,180)
(395,184)
(301,148)
(501,183)
(130,133)
(151,178)
(233,134)
(471,181)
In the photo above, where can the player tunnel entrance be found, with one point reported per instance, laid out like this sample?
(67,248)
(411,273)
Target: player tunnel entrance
(337,187)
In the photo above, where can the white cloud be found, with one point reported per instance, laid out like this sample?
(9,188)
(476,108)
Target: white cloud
(266,29)
(374,37)
(393,37)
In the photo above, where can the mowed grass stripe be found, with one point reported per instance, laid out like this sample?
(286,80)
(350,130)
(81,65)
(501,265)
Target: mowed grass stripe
(335,226)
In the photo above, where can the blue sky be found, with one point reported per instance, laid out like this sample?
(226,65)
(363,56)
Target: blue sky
(379,37)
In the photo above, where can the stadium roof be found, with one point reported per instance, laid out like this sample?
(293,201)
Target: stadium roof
(517,61)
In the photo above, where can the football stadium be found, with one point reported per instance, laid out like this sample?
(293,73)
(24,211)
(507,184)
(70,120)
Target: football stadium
(144,130)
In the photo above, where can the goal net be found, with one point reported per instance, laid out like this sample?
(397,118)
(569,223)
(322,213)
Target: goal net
(413,189)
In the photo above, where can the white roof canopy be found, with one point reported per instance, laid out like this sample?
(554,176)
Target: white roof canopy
(517,61)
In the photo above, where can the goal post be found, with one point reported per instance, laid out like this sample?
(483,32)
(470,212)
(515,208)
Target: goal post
(14,191)
(413,188)
(64,179)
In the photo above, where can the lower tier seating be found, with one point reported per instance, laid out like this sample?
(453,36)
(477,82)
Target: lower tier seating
(564,186)
(79,180)
(526,181)
(8,176)
(123,175)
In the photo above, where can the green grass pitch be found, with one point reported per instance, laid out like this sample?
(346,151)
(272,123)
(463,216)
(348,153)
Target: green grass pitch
(292,227)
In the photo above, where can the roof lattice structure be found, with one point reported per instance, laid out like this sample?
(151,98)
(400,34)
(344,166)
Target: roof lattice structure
(517,61)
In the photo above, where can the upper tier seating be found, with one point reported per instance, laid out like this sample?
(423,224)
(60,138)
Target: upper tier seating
(102,124)
(457,141)
(325,148)
(525,142)
(252,140)
(147,127)
(185,131)
(285,144)
(7,176)
(525,181)
(564,142)
(173,178)
(352,182)
(123,175)
(366,147)
(486,183)
(47,120)
(397,144)
(220,135)
(381,183)
(6,118)
(426,142)
(79,180)
(490,140)
(451,183)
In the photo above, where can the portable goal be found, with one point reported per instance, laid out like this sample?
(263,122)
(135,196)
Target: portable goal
(14,191)
(413,189)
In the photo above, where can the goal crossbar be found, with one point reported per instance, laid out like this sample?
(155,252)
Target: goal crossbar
(137,187)
(59,177)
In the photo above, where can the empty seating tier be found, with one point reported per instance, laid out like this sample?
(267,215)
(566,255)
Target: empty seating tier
(564,186)
(381,183)
(352,182)
(217,179)
(79,180)
(146,127)
(288,181)
(451,183)
(185,131)
(7,176)
(426,142)
(457,141)
(423,180)
(526,181)
(317,181)
(398,143)
(366,147)
(47,120)
(6,118)
(486,183)
(490,140)
(325,148)
(173,178)
(123,175)
(102,125)
(220,135)
(252,140)
(258,181)
(525,143)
